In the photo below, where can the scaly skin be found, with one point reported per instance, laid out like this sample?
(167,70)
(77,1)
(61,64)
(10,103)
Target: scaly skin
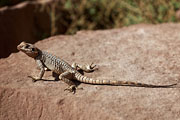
(68,73)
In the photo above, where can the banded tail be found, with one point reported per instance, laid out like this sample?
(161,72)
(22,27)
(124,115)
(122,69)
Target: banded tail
(88,80)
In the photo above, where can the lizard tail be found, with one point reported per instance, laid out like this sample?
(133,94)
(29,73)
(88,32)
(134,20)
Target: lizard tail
(88,80)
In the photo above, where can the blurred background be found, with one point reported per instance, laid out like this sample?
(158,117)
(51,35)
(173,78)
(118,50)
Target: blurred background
(34,20)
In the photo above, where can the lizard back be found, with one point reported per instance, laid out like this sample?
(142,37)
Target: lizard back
(54,63)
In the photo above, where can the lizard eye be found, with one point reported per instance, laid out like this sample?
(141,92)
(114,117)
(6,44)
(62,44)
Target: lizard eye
(27,46)
(33,49)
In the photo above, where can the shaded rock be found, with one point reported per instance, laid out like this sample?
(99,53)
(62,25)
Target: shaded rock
(140,53)
(26,21)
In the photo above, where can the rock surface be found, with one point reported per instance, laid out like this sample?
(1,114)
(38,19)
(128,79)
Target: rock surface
(141,53)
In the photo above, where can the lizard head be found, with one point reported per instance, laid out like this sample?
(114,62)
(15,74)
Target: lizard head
(28,49)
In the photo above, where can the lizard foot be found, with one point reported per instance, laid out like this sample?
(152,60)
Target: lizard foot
(92,67)
(73,89)
(34,79)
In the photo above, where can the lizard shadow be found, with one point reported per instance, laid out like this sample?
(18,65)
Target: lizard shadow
(51,80)
(76,83)
(56,76)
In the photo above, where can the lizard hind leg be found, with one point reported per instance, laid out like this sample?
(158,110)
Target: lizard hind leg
(86,68)
(67,78)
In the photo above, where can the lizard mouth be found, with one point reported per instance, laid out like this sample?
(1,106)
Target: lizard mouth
(20,46)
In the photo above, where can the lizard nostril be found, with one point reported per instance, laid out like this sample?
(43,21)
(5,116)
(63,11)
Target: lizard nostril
(19,47)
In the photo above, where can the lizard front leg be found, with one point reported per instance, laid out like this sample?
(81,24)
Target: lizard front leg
(86,68)
(66,76)
(42,70)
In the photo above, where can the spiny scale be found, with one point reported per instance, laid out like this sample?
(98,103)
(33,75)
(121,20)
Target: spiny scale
(58,64)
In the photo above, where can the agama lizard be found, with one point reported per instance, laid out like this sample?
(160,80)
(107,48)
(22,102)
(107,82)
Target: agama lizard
(68,73)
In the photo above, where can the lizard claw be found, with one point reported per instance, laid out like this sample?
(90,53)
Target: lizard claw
(91,67)
(34,79)
(72,89)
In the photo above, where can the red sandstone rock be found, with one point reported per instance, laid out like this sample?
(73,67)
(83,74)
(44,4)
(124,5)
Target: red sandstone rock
(141,53)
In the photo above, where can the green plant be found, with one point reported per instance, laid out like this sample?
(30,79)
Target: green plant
(78,15)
